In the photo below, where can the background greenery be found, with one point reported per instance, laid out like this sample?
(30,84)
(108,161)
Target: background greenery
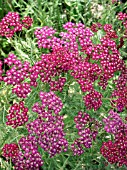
(55,13)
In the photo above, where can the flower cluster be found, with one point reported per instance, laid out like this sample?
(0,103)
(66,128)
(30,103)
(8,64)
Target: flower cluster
(120,93)
(22,90)
(25,155)
(51,66)
(86,73)
(82,69)
(121,99)
(122,16)
(113,123)
(57,85)
(93,100)
(28,157)
(52,139)
(51,101)
(115,152)
(27,22)
(17,115)
(59,60)
(18,71)
(49,128)
(11,23)
(10,151)
(66,56)
(95,27)
(76,34)
(72,52)
(46,38)
(87,130)
(121,83)
(106,53)
(110,63)
(110,33)
(16,75)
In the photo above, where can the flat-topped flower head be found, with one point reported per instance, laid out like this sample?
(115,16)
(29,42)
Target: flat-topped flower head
(12,23)
(17,115)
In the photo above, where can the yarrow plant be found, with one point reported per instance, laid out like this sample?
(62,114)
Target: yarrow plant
(72,58)
(11,23)
(15,118)
(115,152)
(87,134)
